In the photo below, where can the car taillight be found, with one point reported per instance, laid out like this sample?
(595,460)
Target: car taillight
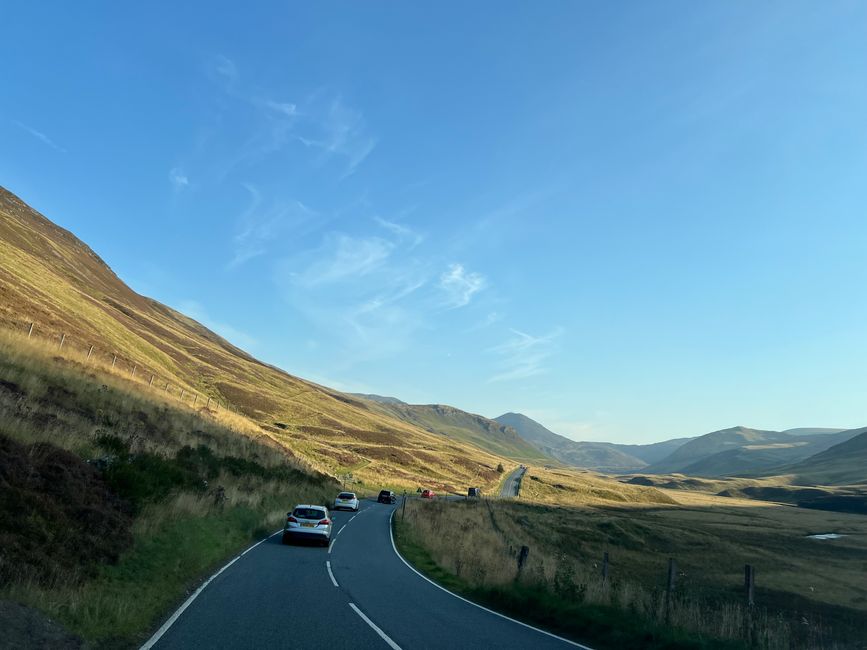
(292,519)
(324,522)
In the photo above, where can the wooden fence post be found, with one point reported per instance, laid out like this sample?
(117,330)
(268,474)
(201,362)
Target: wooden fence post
(750,584)
(134,368)
(183,390)
(114,361)
(89,352)
(151,381)
(669,587)
(166,389)
(30,331)
(672,575)
(522,557)
(62,339)
(208,404)
(195,399)
(605,567)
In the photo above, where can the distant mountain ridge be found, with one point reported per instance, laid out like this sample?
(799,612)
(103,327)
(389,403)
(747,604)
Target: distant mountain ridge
(741,450)
(843,464)
(452,422)
(601,456)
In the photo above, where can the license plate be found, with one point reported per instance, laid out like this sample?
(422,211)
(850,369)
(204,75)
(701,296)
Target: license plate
(306,525)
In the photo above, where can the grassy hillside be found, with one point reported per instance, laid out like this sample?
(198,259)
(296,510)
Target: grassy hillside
(459,425)
(602,456)
(49,277)
(842,464)
(741,450)
(655,451)
(115,499)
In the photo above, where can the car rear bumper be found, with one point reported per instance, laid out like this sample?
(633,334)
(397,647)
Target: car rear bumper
(297,533)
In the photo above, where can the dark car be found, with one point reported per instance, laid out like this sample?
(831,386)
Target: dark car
(387,496)
(474,492)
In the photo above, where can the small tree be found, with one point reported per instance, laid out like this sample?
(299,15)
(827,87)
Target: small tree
(500,468)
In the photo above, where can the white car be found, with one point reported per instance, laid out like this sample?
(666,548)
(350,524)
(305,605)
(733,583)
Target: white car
(346,501)
(308,522)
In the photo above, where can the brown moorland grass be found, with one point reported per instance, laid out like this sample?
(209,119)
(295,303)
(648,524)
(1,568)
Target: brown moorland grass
(171,493)
(50,278)
(810,593)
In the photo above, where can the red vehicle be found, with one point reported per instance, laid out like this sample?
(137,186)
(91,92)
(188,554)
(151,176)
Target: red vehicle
(428,494)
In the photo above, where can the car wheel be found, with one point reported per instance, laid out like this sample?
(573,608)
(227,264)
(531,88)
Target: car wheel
(285,539)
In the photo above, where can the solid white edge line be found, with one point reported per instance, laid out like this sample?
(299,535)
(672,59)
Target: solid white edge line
(342,527)
(376,629)
(451,593)
(330,573)
(189,601)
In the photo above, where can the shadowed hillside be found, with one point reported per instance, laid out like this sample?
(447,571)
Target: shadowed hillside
(741,450)
(842,464)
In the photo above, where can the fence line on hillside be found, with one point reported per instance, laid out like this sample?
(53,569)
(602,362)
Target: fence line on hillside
(133,370)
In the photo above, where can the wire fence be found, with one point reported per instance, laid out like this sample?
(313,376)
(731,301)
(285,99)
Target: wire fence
(135,370)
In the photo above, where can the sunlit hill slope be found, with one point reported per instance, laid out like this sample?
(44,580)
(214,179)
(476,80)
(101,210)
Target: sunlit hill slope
(51,278)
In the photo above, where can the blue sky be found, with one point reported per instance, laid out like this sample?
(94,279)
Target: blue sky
(630,221)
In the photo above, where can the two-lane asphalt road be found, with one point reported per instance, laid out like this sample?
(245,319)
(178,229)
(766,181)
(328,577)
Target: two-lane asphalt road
(359,593)
(513,482)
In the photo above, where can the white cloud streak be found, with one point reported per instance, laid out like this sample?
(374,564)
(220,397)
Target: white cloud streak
(178,179)
(459,285)
(343,257)
(523,355)
(261,226)
(39,135)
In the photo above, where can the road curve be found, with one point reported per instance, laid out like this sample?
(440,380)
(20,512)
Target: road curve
(279,596)
(513,482)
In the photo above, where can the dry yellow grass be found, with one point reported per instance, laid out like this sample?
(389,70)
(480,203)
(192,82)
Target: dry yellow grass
(570,518)
(52,279)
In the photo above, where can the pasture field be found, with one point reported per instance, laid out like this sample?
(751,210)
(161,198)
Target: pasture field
(809,593)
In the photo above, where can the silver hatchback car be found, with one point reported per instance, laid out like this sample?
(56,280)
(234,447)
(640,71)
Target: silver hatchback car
(308,522)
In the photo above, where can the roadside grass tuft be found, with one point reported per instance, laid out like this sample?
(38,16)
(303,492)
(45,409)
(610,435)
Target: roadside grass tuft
(108,546)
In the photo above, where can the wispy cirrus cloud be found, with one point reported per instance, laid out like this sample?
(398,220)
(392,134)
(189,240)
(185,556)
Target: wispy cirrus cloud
(524,355)
(460,285)
(196,311)
(178,179)
(39,135)
(401,231)
(336,130)
(343,257)
(491,318)
(225,69)
(262,225)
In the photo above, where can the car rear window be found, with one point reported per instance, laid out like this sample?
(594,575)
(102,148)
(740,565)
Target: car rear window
(385,493)
(346,495)
(309,513)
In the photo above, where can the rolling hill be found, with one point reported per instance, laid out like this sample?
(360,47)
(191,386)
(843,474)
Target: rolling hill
(843,464)
(52,279)
(744,451)
(449,421)
(600,456)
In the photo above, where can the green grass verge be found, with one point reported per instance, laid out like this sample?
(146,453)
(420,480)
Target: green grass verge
(602,627)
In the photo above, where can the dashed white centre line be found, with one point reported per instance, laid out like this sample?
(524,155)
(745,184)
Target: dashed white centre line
(342,527)
(385,637)
(331,546)
(331,574)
